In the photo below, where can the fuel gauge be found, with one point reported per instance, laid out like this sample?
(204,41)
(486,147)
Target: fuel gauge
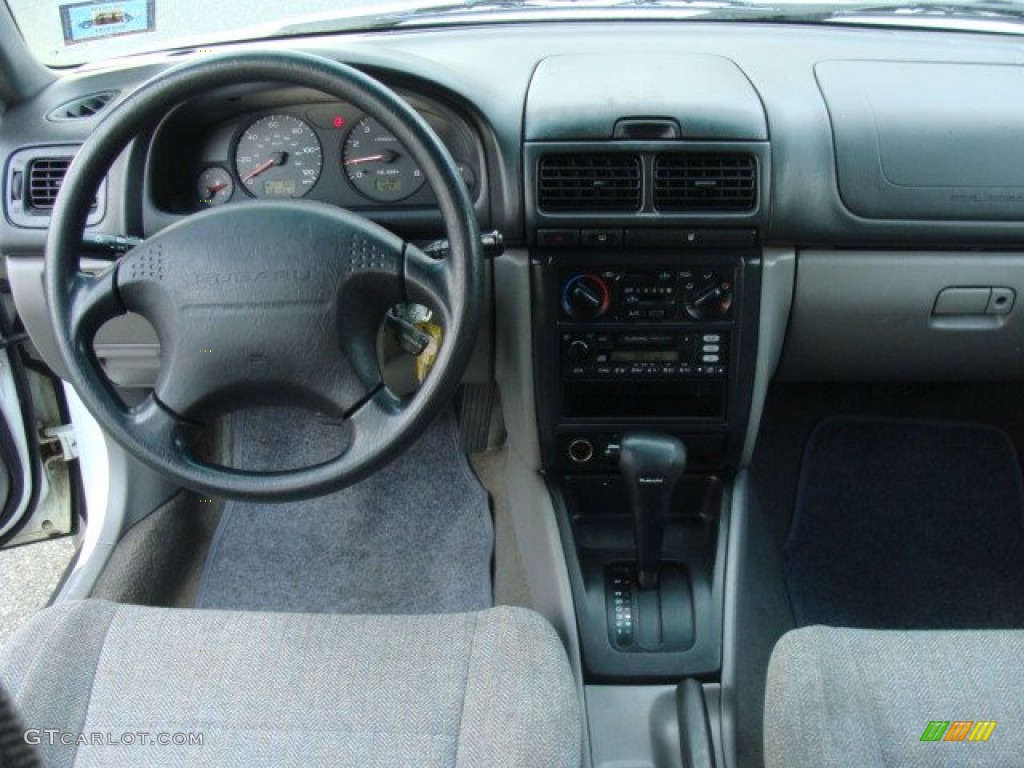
(214,186)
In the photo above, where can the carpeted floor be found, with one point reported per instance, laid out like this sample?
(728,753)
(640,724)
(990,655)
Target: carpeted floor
(416,537)
(907,524)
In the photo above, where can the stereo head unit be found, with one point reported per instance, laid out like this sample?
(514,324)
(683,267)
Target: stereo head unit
(644,354)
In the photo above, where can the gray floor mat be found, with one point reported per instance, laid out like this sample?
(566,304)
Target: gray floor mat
(416,537)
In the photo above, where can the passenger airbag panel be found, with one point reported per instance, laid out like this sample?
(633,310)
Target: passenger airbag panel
(927,141)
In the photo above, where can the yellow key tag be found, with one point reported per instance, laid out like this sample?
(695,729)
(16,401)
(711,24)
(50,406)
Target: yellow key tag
(425,360)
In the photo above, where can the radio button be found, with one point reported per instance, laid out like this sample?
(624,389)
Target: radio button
(711,359)
(709,348)
(578,351)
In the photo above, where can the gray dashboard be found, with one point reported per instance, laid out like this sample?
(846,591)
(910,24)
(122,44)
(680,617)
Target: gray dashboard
(488,72)
(868,140)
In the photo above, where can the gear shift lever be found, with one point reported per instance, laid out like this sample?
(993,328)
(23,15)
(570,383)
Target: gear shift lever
(651,465)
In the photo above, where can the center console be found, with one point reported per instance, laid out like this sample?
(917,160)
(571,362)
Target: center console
(652,333)
(646,193)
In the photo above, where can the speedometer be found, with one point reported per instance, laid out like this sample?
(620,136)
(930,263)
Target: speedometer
(378,165)
(278,156)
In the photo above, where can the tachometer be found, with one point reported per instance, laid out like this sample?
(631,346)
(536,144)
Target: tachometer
(278,156)
(378,165)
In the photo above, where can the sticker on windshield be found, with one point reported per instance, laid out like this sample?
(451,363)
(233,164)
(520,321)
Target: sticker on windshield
(91,21)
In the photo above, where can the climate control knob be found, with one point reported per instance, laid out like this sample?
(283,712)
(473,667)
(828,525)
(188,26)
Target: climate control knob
(710,298)
(585,297)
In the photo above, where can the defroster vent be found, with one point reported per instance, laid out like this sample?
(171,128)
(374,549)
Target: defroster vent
(604,181)
(705,181)
(83,107)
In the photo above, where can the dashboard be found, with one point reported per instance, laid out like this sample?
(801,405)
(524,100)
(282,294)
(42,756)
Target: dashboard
(883,163)
(691,211)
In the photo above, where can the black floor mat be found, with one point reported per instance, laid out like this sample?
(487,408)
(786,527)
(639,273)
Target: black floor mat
(908,524)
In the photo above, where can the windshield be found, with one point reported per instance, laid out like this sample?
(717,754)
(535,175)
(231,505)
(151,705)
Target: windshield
(70,34)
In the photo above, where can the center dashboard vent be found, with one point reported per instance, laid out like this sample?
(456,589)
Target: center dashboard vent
(594,181)
(705,181)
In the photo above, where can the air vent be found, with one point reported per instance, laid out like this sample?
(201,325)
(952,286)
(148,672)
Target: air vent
(33,181)
(589,182)
(45,175)
(83,107)
(702,181)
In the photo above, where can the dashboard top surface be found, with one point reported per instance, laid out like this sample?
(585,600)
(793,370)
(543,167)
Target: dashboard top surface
(479,79)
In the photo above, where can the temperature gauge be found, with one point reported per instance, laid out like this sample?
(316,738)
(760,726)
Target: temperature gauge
(214,186)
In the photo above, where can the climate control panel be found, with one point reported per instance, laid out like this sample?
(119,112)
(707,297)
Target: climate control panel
(693,293)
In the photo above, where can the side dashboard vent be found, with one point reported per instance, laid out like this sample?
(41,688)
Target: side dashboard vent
(33,180)
(601,181)
(45,175)
(705,181)
(83,107)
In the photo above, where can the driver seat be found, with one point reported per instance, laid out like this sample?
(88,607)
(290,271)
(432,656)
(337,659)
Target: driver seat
(492,688)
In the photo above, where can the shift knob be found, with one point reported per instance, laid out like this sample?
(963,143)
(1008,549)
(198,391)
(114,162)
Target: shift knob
(651,465)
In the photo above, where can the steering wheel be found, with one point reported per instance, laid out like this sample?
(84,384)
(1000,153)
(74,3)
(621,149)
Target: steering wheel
(264,302)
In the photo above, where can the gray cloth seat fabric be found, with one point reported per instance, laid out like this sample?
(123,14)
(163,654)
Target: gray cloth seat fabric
(271,689)
(864,698)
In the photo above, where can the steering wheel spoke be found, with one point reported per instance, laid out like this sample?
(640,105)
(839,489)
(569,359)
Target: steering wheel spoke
(93,300)
(156,424)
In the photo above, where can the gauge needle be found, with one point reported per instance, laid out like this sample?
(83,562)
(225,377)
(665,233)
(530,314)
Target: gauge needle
(277,158)
(384,157)
(215,188)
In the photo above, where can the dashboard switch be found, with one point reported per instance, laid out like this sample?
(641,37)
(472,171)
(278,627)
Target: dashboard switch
(558,238)
(601,238)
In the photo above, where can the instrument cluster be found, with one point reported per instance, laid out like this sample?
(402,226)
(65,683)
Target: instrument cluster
(330,152)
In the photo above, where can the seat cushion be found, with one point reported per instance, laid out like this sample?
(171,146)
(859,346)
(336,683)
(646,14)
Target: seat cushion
(266,689)
(854,697)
